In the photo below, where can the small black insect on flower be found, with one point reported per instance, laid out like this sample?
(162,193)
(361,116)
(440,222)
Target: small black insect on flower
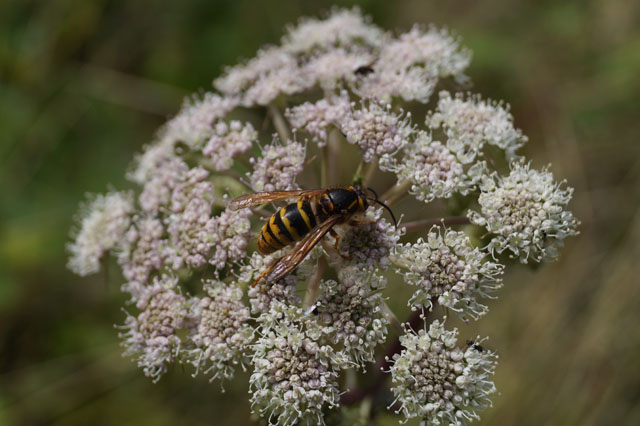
(475,346)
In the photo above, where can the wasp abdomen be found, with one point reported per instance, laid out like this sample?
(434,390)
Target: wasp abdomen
(287,225)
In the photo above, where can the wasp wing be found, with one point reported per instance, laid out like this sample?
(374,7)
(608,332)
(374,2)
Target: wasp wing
(249,200)
(288,262)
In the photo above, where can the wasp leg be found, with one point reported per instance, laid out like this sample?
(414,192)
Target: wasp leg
(336,237)
(266,272)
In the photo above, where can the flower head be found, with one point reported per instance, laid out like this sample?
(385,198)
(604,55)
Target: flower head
(152,338)
(351,311)
(410,66)
(190,223)
(286,80)
(437,381)
(434,172)
(447,269)
(469,124)
(143,251)
(222,335)
(316,118)
(377,131)
(230,234)
(335,67)
(264,295)
(278,167)
(103,224)
(240,78)
(336,86)
(342,28)
(194,124)
(159,184)
(294,379)
(227,141)
(526,213)
(368,245)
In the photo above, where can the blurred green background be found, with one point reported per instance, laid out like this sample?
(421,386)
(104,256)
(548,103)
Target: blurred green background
(85,83)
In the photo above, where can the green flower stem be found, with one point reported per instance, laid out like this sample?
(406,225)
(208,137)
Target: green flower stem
(332,164)
(357,176)
(314,283)
(393,319)
(365,410)
(396,192)
(279,122)
(369,171)
(364,172)
(324,170)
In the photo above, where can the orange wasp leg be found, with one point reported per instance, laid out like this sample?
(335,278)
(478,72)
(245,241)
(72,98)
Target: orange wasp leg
(265,273)
(336,237)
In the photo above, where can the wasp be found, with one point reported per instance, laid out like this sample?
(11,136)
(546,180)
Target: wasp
(305,222)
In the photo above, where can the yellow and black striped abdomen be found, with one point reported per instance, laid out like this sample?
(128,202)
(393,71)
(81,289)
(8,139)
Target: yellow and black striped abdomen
(287,225)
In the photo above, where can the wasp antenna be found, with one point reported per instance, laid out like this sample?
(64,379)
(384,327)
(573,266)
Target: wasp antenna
(395,222)
(374,193)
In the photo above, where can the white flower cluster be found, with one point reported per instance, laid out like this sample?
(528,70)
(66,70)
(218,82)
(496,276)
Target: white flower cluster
(322,52)
(526,212)
(229,236)
(158,189)
(317,118)
(192,126)
(469,124)
(222,335)
(353,84)
(263,78)
(376,130)
(194,123)
(278,167)
(294,377)
(372,126)
(410,66)
(330,69)
(227,141)
(151,337)
(367,245)
(351,311)
(448,270)
(435,172)
(263,296)
(342,28)
(142,252)
(437,381)
(103,224)
(346,49)
(190,223)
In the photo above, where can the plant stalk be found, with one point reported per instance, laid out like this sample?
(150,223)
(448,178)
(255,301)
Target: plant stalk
(332,160)
(314,283)
(396,192)
(369,171)
(279,122)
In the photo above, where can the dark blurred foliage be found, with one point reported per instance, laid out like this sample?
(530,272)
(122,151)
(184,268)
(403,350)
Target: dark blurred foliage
(85,83)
